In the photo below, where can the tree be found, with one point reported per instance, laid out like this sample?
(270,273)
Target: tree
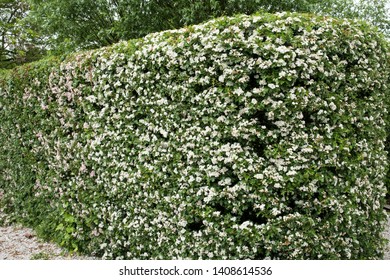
(82,24)
(377,12)
(18,41)
(75,24)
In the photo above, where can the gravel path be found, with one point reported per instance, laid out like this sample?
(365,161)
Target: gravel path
(387,235)
(19,243)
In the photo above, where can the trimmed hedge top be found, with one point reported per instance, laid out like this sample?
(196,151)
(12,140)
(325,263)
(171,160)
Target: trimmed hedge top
(248,137)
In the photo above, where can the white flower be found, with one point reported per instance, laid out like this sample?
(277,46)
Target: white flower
(282,74)
(332,106)
(82,168)
(259,176)
(216,213)
(291,173)
(282,49)
(272,86)
(307,150)
(238,91)
(235,132)
(182,223)
(164,133)
(275,211)
(245,225)
(91,98)
(225,182)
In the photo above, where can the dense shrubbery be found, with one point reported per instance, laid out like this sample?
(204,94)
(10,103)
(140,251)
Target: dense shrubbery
(246,137)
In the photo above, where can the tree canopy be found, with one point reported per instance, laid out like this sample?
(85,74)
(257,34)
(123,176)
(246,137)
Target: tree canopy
(66,26)
(18,42)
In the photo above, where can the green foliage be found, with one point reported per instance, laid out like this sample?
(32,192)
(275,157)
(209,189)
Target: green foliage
(18,41)
(377,12)
(74,24)
(242,138)
(41,256)
(387,144)
(31,28)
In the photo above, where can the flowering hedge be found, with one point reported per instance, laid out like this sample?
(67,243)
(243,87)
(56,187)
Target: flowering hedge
(248,137)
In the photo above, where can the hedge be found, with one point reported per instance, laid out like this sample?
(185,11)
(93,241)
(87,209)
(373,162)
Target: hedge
(245,137)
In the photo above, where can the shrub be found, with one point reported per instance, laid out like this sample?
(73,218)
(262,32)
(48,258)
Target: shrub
(241,138)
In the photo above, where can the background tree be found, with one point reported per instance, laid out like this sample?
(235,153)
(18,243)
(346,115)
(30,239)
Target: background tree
(377,12)
(82,24)
(18,42)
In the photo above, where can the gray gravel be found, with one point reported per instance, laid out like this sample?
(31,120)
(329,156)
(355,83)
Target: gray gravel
(386,234)
(20,243)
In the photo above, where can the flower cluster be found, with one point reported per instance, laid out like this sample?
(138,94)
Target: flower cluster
(248,137)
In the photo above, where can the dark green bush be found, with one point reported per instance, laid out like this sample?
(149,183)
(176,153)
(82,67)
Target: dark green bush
(241,138)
